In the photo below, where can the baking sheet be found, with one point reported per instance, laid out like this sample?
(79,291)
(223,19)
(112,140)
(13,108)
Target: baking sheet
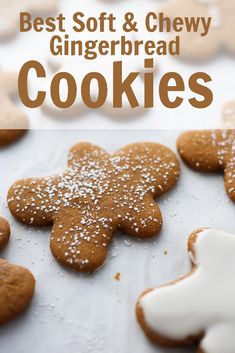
(95,313)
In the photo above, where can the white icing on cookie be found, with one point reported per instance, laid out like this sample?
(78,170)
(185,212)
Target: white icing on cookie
(203,302)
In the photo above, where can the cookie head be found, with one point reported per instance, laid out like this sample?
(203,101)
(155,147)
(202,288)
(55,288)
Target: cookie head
(210,151)
(199,306)
(4,232)
(16,290)
(97,195)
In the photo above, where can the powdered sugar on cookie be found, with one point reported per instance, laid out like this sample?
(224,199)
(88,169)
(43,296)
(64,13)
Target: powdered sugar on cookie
(97,195)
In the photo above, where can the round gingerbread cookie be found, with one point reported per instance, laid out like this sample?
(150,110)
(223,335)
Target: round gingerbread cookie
(200,305)
(96,196)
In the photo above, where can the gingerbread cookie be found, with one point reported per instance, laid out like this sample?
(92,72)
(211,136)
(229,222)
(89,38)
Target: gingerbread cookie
(211,151)
(199,306)
(10,12)
(16,283)
(4,232)
(96,196)
(16,290)
(13,122)
(222,28)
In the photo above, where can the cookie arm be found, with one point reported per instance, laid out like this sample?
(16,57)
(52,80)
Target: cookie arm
(32,201)
(152,165)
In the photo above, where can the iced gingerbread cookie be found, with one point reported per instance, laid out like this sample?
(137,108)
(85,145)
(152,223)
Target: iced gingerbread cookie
(13,122)
(4,232)
(222,28)
(10,13)
(199,306)
(16,283)
(96,196)
(210,151)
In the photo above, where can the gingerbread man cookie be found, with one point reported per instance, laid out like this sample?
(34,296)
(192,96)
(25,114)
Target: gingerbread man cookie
(96,196)
(4,232)
(10,12)
(199,306)
(211,151)
(222,29)
(13,122)
(16,282)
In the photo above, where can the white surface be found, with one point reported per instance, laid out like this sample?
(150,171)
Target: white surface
(28,46)
(95,313)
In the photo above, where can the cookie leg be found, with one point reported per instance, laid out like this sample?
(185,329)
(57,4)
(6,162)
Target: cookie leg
(80,242)
(145,221)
